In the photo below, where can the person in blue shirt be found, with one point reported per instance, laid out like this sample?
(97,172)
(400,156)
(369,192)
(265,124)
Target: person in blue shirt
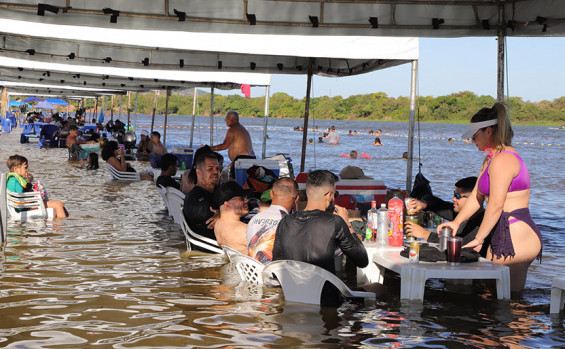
(19,180)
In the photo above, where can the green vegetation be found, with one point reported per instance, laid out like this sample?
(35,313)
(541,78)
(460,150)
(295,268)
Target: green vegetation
(457,107)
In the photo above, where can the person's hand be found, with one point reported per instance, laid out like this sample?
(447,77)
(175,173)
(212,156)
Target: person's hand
(454,226)
(212,220)
(342,212)
(29,177)
(475,244)
(415,206)
(413,229)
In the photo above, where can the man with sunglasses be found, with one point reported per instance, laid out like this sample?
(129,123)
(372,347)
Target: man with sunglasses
(229,229)
(448,210)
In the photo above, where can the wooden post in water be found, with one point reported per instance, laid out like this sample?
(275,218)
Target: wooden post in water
(95,107)
(166,115)
(306,116)
(154,109)
(193,115)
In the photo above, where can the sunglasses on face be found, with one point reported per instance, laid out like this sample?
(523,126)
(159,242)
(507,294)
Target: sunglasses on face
(336,193)
(459,196)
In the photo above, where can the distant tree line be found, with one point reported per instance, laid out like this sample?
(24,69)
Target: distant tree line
(457,107)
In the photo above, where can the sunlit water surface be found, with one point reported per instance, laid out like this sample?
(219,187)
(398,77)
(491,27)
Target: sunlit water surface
(115,274)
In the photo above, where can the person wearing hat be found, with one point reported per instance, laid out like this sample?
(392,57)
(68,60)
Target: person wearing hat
(504,182)
(263,226)
(229,229)
(143,148)
(353,172)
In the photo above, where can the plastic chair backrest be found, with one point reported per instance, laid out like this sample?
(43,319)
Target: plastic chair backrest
(249,269)
(163,194)
(32,202)
(175,198)
(230,252)
(3,207)
(121,175)
(199,240)
(303,282)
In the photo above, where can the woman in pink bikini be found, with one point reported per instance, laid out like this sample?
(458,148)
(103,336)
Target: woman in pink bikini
(504,182)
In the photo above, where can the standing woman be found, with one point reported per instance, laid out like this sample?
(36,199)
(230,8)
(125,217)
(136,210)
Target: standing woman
(504,182)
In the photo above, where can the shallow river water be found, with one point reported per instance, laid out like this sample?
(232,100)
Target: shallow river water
(116,274)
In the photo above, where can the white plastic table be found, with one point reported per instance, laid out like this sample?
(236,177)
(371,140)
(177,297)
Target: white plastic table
(413,276)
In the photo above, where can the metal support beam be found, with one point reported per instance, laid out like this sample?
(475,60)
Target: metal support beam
(413,84)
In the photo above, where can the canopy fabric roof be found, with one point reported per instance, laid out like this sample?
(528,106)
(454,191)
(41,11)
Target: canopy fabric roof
(56,101)
(423,18)
(45,90)
(45,105)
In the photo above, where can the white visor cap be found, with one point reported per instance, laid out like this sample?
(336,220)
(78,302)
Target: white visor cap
(475,126)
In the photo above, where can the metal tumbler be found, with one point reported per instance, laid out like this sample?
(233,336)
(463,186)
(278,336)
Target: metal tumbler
(454,251)
(444,234)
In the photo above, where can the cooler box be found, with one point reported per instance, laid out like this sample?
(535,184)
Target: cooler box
(364,190)
(242,165)
(184,155)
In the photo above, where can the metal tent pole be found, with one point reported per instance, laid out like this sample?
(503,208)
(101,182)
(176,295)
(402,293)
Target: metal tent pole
(306,115)
(500,58)
(154,110)
(411,125)
(265,121)
(212,117)
(193,116)
(166,115)
(135,112)
(129,110)
(120,112)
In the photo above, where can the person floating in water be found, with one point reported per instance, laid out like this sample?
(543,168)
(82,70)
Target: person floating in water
(377,141)
(450,140)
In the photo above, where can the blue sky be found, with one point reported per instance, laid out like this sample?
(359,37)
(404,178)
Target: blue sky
(536,71)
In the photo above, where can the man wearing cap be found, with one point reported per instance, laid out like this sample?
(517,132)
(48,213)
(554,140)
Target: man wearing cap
(314,235)
(143,148)
(199,206)
(263,226)
(353,172)
(73,143)
(229,229)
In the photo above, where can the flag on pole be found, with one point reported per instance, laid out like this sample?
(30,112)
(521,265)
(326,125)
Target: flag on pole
(246,90)
(101,117)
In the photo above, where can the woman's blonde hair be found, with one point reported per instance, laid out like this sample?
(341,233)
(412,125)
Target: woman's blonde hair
(502,131)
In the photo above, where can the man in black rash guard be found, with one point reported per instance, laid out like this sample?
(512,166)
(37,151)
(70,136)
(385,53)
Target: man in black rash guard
(199,206)
(314,235)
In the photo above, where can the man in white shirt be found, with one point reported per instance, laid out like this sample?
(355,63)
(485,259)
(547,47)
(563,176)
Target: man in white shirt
(333,136)
(262,228)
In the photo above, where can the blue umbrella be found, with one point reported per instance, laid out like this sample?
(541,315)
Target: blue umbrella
(15,104)
(101,117)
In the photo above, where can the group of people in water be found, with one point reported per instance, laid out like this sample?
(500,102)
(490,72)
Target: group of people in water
(215,206)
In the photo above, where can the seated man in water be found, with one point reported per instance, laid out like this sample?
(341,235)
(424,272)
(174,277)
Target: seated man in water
(73,143)
(19,180)
(168,170)
(200,210)
(263,226)
(313,235)
(144,147)
(448,210)
(229,229)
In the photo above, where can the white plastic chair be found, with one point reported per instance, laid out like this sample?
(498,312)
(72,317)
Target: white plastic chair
(175,199)
(122,176)
(3,207)
(249,269)
(303,282)
(163,194)
(557,294)
(31,202)
(203,242)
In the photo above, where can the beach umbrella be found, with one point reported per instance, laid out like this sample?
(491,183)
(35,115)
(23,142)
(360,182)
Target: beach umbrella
(101,117)
(45,105)
(15,104)
(56,101)
(32,99)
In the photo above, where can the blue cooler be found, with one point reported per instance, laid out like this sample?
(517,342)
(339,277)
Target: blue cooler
(242,165)
(184,155)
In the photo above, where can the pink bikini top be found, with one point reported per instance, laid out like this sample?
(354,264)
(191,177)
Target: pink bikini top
(520,182)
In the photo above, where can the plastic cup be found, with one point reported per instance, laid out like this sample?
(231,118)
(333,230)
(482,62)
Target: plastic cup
(454,251)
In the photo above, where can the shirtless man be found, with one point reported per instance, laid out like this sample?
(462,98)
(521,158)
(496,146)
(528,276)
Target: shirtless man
(237,141)
(229,230)
(156,145)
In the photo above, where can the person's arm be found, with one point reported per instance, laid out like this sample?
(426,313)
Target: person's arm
(350,244)
(414,229)
(502,170)
(227,142)
(440,207)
